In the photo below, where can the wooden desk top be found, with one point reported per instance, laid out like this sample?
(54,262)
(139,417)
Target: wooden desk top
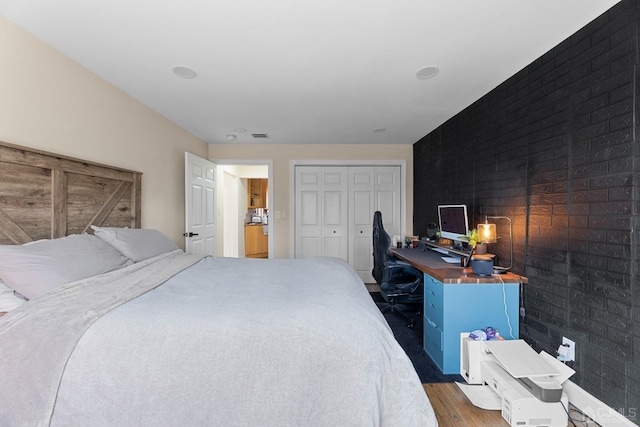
(431,262)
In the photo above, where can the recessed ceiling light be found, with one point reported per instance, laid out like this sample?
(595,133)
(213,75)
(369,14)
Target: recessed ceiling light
(427,72)
(240,130)
(184,72)
(380,130)
(231,137)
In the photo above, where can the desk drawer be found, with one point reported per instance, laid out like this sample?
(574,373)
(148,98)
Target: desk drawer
(432,342)
(432,288)
(433,300)
(432,332)
(433,311)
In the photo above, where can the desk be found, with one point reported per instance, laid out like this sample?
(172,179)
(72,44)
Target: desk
(456,300)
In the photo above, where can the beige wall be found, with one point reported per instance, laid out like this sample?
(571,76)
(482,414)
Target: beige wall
(283,155)
(51,103)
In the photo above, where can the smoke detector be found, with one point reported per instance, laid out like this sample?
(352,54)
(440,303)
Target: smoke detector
(184,72)
(427,72)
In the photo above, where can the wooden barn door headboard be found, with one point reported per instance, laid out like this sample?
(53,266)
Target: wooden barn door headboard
(45,195)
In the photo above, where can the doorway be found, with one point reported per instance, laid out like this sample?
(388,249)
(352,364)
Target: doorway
(233,176)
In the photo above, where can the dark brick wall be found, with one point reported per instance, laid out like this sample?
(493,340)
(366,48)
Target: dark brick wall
(554,148)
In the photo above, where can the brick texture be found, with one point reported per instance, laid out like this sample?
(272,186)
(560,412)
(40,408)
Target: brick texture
(555,149)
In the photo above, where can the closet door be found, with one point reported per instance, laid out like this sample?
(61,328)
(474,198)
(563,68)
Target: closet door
(321,211)
(387,198)
(308,186)
(334,212)
(361,209)
(371,189)
(334,209)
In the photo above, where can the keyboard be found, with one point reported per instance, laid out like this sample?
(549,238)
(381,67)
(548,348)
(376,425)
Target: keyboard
(441,250)
(451,259)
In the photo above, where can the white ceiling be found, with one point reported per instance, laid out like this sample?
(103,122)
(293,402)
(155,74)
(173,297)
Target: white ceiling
(305,71)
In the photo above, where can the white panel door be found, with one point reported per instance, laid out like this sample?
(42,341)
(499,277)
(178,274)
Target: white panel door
(308,214)
(334,207)
(387,198)
(321,212)
(361,209)
(334,212)
(200,191)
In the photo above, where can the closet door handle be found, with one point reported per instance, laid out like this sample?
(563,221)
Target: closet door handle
(190,234)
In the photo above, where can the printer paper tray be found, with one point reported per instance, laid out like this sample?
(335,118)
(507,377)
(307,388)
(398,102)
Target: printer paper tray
(519,359)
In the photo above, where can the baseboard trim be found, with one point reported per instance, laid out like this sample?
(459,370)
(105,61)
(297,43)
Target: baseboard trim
(372,287)
(594,408)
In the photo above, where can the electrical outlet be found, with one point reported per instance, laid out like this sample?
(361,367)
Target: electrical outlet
(522,312)
(567,351)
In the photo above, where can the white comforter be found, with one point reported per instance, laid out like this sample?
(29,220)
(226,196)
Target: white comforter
(225,342)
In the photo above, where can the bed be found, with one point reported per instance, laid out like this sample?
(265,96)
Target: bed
(135,332)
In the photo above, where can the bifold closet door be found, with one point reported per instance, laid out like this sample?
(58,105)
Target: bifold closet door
(371,189)
(334,209)
(321,212)
(388,198)
(361,209)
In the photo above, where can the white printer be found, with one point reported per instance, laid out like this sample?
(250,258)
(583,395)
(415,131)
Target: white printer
(529,384)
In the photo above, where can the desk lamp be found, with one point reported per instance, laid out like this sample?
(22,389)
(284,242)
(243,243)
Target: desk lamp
(487,234)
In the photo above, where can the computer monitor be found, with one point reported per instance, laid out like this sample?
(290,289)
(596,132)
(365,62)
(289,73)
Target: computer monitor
(453,221)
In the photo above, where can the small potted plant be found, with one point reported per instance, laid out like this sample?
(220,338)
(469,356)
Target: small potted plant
(472,237)
(472,241)
(480,248)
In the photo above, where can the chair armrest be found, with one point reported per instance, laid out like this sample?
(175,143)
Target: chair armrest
(392,262)
(401,266)
(393,259)
(400,280)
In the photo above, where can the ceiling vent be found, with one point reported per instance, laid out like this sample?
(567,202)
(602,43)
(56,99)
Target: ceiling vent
(260,135)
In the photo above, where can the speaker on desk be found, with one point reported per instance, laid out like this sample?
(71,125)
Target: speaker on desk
(482,265)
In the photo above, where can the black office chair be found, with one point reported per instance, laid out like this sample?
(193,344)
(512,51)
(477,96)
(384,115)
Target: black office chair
(401,285)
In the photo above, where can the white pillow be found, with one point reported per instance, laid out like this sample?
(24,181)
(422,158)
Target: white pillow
(135,243)
(8,298)
(36,268)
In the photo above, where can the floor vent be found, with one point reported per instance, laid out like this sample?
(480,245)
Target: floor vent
(260,135)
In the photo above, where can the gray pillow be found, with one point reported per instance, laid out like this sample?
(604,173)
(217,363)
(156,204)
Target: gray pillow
(135,243)
(36,268)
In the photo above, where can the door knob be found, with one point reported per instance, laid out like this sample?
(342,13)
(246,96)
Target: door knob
(190,234)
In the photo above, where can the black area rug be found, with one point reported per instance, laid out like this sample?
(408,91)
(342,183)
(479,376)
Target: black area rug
(410,339)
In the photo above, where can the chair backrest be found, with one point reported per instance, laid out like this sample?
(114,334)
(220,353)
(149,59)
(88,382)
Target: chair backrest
(381,242)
